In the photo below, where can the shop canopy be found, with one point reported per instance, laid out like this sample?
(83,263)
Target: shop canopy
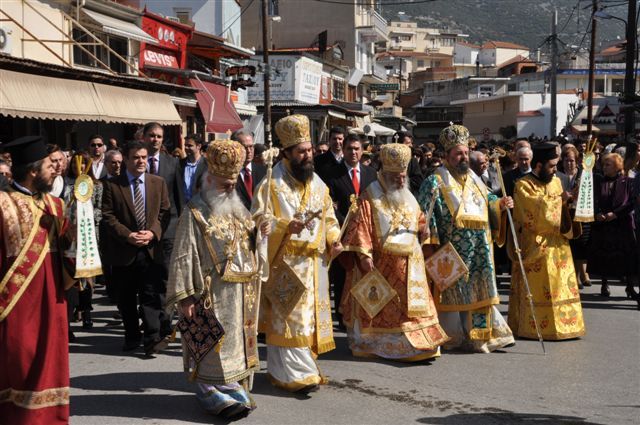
(215,104)
(34,96)
(119,27)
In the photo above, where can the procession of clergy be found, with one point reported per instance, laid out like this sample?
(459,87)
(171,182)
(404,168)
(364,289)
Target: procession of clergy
(419,274)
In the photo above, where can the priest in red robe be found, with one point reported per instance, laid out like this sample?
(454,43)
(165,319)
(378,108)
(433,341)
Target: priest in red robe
(34,356)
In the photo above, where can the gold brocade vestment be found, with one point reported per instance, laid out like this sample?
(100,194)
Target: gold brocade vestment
(543,226)
(390,235)
(231,274)
(296,309)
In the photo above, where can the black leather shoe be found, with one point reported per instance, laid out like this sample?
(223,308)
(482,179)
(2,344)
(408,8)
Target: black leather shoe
(604,290)
(150,347)
(87,323)
(131,345)
(631,293)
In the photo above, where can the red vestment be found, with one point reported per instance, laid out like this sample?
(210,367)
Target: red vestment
(34,353)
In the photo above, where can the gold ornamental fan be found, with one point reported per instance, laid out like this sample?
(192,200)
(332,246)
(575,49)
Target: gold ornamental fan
(83,188)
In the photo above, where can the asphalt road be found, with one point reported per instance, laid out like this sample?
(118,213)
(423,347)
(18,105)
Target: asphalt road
(593,380)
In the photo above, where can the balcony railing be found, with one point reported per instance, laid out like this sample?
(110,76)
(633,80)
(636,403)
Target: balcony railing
(372,19)
(403,45)
(378,71)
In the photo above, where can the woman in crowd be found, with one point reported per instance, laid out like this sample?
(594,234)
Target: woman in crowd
(79,297)
(580,246)
(613,243)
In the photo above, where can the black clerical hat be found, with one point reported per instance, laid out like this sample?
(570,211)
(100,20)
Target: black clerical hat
(26,150)
(543,152)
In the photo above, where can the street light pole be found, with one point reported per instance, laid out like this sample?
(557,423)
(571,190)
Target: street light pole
(554,72)
(592,67)
(630,72)
(266,118)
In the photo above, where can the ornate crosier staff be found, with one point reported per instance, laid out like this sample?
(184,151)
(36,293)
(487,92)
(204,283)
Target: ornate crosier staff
(496,155)
(269,156)
(353,209)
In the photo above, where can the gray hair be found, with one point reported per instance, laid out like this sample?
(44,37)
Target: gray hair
(108,156)
(476,156)
(236,135)
(525,150)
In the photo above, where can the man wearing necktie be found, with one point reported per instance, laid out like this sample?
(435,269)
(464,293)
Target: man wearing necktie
(251,173)
(135,213)
(346,179)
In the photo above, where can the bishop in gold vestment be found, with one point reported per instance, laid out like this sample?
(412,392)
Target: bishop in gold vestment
(213,263)
(296,310)
(468,217)
(395,318)
(544,226)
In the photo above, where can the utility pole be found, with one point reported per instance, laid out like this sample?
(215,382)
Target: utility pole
(266,117)
(592,67)
(400,80)
(629,76)
(554,72)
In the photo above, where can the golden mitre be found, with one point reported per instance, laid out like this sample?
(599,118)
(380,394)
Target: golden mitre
(293,130)
(395,157)
(453,136)
(225,158)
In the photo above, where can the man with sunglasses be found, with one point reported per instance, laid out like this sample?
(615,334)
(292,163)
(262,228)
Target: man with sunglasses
(97,150)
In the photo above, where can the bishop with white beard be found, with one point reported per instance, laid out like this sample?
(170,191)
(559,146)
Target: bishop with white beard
(386,304)
(213,262)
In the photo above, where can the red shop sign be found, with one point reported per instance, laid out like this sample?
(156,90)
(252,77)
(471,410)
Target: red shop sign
(153,57)
(170,35)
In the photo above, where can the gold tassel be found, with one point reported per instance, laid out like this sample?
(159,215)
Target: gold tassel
(218,346)
(194,374)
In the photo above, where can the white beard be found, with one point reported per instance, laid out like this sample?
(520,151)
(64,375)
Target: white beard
(223,203)
(398,196)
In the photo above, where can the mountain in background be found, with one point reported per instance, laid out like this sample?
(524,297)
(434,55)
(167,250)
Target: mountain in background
(523,22)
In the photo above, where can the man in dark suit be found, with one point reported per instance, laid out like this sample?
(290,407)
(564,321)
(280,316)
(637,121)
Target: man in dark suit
(479,163)
(414,173)
(113,165)
(167,167)
(523,167)
(341,182)
(251,173)
(96,151)
(193,166)
(135,210)
(323,162)
(346,179)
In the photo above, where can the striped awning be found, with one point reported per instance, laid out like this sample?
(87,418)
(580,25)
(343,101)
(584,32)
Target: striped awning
(34,96)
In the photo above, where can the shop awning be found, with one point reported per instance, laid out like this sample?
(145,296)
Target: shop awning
(34,96)
(120,104)
(118,27)
(219,113)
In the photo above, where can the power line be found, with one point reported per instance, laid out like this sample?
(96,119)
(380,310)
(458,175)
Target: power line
(235,20)
(362,2)
(570,16)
